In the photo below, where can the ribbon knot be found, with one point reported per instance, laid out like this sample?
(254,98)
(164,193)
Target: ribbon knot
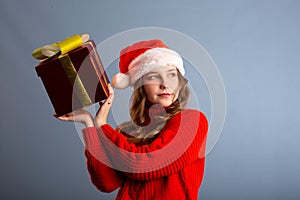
(62,47)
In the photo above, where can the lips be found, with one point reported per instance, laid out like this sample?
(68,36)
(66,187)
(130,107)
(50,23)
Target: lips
(164,95)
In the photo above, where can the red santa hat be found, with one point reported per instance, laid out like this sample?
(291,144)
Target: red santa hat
(141,57)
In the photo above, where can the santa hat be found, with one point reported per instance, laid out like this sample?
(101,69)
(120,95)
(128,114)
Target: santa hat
(141,57)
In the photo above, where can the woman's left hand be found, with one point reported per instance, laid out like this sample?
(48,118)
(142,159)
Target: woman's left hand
(103,111)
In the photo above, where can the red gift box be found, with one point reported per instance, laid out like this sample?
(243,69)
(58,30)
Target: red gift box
(75,79)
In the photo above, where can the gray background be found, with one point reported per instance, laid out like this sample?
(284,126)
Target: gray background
(255,45)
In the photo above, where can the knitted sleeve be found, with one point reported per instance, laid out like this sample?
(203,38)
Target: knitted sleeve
(181,142)
(102,176)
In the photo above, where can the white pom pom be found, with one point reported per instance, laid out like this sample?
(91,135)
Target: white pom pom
(121,81)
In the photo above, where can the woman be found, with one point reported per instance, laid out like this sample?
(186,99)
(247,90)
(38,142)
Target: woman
(159,153)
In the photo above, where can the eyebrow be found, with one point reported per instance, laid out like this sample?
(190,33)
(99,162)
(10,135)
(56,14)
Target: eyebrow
(170,70)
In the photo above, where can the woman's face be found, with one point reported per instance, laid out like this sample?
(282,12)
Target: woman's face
(162,85)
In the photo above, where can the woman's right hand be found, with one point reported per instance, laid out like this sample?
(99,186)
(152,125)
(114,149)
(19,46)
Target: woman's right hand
(80,115)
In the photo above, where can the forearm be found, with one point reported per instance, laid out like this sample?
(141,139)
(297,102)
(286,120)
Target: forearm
(104,177)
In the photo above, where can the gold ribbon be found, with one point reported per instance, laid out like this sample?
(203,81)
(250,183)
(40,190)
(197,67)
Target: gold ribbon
(74,79)
(64,47)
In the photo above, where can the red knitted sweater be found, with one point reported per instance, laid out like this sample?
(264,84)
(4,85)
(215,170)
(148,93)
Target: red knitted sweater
(171,167)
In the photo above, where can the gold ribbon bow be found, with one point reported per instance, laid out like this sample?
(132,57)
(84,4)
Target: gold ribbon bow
(63,47)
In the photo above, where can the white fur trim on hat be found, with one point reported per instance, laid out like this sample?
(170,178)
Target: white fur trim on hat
(153,58)
(121,81)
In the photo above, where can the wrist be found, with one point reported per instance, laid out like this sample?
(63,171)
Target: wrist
(98,124)
(89,122)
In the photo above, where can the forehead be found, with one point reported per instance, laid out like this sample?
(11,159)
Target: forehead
(162,69)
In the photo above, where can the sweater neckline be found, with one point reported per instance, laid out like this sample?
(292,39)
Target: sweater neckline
(156,109)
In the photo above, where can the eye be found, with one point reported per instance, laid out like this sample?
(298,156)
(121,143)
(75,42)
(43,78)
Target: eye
(173,74)
(152,77)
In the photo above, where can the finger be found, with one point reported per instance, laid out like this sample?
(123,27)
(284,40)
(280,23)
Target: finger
(110,89)
(58,117)
(105,106)
(66,117)
(101,103)
(62,118)
(110,99)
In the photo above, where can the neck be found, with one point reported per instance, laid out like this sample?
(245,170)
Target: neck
(156,109)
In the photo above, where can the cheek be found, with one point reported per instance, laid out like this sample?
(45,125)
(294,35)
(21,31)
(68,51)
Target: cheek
(175,86)
(150,90)
(176,89)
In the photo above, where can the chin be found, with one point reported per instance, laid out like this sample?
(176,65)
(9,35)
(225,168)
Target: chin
(165,104)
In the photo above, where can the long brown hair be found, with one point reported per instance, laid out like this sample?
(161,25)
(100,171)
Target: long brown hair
(137,126)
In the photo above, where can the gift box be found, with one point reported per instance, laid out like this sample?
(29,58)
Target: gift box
(73,75)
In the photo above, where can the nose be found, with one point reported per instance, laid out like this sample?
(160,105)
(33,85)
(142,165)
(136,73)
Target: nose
(163,85)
